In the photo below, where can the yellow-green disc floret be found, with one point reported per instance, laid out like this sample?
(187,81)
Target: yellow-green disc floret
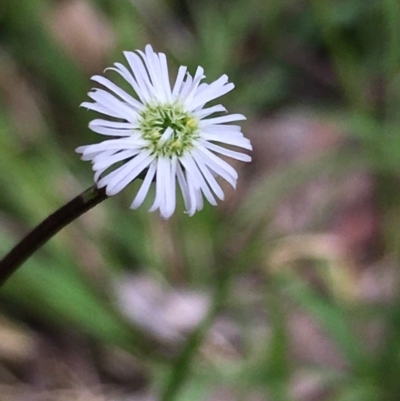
(154,120)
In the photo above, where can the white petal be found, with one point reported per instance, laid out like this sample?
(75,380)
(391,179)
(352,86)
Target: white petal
(144,189)
(101,109)
(121,109)
(218,165)
(231,129)
(97,174)
(222,119)
(118,91)
(142,78)
(166,187)
(110,131)
(81,149)
(165,136)
(208,176)
(105,161)
(187,97)
(229,140)
(196,177)
(179,80)
(159,73)
(227,152)
(112,124)
(202,87)
(171,187)
(165,76)
(87,154)
(150,59)
(216,89)
(189,205)
(124,72)
(115,187)
(114,144)
(159,199)
(208,111)
(120,178)
(198,199)
(185,89)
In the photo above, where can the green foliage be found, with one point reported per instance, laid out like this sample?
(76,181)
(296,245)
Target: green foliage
(340,59)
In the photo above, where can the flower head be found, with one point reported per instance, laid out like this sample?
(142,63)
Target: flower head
(164,134)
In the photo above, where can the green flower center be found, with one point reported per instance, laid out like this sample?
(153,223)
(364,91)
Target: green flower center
(156,120)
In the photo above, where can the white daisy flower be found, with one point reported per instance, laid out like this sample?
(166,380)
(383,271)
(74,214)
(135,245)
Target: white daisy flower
(165,134)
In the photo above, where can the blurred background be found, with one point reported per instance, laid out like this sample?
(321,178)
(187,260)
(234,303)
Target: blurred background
(286,291)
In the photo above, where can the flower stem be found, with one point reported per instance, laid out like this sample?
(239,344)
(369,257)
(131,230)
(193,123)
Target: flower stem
(48,228)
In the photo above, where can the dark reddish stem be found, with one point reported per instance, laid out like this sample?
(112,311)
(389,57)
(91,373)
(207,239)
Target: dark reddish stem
(48,228)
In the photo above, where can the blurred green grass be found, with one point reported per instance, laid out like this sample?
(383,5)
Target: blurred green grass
(340,59)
